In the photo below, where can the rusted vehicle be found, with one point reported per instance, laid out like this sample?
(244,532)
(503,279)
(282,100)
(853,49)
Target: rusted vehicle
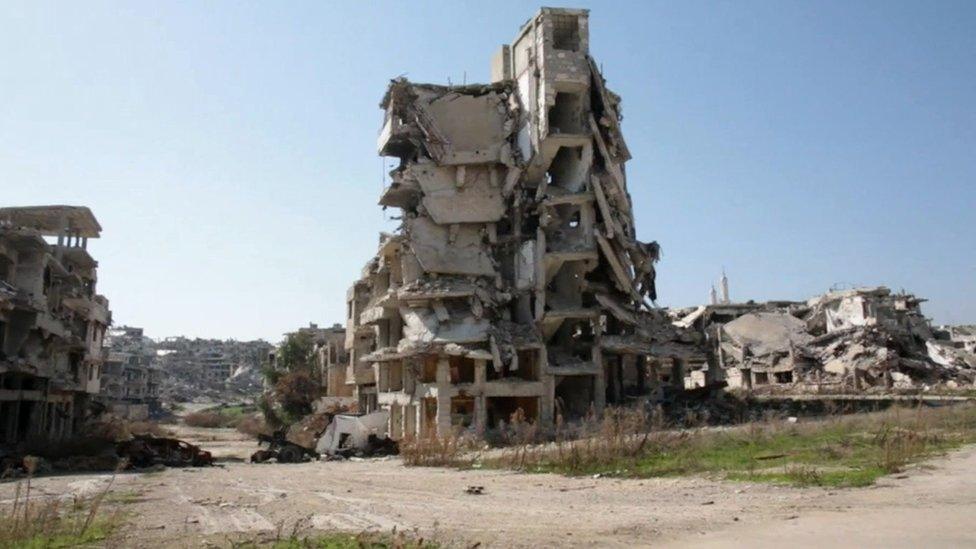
(147,450)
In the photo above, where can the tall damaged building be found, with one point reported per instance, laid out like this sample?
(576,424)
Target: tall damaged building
(515,282)
(52,321)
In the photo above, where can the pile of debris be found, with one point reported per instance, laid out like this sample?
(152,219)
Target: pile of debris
(865,339)
(333,431)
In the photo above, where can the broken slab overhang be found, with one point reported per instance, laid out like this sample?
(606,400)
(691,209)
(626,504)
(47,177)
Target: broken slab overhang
(12,298)
(518,336)
(460,194)
(437,288)
(690,319)
(77,256)
(766,332)
(88,307)
(563,364)
(454,125)
(54,220)
(408,349)
(607,109)
(376,313)
(384,354)
(637,345)
(23,239)
(536,170)
(424,326)
(400,195)
(458,249)
(556,196)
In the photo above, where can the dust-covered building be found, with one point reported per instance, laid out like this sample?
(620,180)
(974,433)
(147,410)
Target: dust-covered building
(327,357)
(52,321)
(209,368)
(515,280)
(130,377)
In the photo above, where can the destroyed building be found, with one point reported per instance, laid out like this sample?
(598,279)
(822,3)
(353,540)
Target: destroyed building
(209,368)
(52,321)
(130,376)
(515,280)
(862,339)
(327,355)
(331,360)
(962,337)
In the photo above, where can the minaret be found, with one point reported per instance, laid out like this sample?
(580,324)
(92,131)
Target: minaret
(725,288)
(714,296)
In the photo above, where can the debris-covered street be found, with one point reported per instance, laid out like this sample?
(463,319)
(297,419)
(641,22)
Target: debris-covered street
(235,501)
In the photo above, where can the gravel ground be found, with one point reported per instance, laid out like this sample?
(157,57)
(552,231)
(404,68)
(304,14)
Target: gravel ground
(932,504)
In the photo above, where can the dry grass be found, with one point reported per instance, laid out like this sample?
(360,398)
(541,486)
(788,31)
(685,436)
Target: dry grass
(210,420)
(31,522)
(852,450)
(148,428)
(253,425)
(241,417)
(432,451)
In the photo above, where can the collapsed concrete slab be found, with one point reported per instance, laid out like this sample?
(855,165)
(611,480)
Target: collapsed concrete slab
(863,339)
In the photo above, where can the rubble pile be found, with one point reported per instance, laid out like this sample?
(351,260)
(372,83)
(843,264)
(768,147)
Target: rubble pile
(865,339)
(210,370)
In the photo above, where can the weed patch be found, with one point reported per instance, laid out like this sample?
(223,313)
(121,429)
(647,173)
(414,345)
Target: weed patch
(841,451)
(32,522)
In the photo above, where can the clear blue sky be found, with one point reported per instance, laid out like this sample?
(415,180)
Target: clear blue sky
(228,148)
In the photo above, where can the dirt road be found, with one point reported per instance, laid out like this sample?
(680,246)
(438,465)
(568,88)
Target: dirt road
(191,507)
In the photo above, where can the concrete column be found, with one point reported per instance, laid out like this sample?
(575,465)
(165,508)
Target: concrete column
(599,382)
(443,397)
(480,402)
(391,420)
(678,373)
(654,374)
(14,434)
(641,365)
(625,363)
(480,374)
(599,393)
(405,421)
(480,414)
(547,402)
(421,429)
